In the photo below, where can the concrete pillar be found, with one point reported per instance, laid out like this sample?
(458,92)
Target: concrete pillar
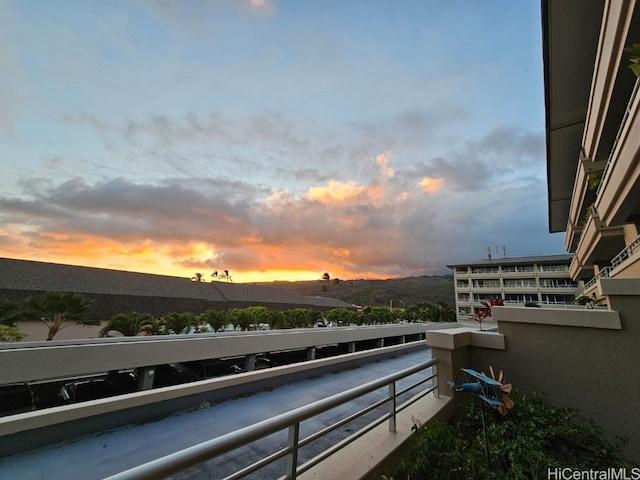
(250,362)
(145,380)
(311,353)
(451,347)
(352,347)
(380,343)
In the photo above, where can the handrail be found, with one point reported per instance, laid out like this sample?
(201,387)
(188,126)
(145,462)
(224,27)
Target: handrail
(626,252)
(290,420)
(616,261)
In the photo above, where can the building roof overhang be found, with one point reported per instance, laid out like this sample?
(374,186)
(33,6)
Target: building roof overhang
(564,258)
(570,32)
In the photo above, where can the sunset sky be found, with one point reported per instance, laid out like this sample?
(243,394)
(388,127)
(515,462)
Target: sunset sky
(277,139)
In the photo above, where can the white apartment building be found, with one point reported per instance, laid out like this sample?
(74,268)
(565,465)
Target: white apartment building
(540,280)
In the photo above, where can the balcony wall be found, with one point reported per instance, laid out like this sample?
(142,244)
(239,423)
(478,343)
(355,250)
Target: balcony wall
(579,357)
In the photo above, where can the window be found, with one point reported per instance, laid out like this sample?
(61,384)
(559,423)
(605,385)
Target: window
(463,297)
(462,284)
(558,283)
(550,299)
(484,270)
(485,297)
(521,298)
(520,283)
(517,269)
(554,268)
(486,283)
(461,270)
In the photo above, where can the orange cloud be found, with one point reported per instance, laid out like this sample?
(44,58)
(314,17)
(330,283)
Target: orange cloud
(431,184)
(335,192)
(383,160)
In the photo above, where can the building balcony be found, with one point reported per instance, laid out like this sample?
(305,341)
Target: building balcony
(617,201)
(597,245)
(626,264)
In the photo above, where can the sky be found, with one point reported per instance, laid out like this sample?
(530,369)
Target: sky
(275,139)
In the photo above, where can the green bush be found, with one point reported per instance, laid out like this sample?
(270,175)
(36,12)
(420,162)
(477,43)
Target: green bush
(530,439)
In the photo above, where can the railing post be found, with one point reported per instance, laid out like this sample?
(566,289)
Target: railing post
(392,407)
(436,391)
(292,458)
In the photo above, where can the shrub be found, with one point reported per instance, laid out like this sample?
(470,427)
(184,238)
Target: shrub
(530,439)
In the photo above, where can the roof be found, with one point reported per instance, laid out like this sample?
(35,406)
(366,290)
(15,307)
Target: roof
(570,32)
(27,275)
(541,259)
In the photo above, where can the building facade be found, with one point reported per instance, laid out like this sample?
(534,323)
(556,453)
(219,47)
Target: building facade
(541,280)
(593,136)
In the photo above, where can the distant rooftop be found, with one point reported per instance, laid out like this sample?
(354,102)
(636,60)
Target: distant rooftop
(26,276)
(541,259)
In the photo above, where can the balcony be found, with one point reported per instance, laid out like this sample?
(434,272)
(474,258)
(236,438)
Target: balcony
(622,261)
(597,245)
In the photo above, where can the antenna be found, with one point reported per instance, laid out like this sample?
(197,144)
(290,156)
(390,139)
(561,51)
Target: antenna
(504,250)
(489,252)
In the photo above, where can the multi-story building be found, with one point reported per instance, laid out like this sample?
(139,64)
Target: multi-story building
(541,280)
(593,136)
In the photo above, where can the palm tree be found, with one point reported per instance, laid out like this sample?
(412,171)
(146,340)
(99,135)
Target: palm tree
(325,278)
(59,309)
(225,275)
(198,277)
(10,312)
(130,325)
(444,312)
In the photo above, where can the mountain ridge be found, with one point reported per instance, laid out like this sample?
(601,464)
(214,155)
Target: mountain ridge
(395,292)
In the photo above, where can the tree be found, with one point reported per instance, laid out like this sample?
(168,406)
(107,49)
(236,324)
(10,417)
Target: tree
(176,323)
(300,317)
(216,319)
(377,315)
(130,325)
(240,317)
(259,316)
(439,312)
(10,312)
(325,278)
(10,334)
(341,316)
(198,277)
(225,275)
(60,309)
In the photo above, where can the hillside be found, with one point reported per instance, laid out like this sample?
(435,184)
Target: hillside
(410,290)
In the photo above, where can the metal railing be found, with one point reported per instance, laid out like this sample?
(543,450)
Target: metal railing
(189,457)
(616,261)
(626,253)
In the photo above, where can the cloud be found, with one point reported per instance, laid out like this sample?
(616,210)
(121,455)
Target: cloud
(431,184)
(386,223)
(260,6)
(335,192)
